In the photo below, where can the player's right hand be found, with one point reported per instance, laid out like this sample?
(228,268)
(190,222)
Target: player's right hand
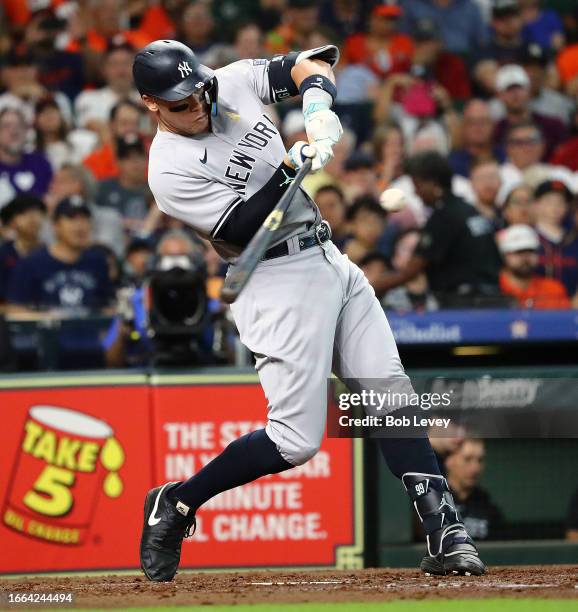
(319,152)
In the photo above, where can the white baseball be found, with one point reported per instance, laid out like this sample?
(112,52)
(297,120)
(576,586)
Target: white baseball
(393,200)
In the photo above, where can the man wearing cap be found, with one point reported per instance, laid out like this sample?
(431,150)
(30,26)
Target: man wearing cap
(67,274)
(519,245)
(382,49)
(22,218)
(545,100)
(513,89)
(506,43)
(128,193)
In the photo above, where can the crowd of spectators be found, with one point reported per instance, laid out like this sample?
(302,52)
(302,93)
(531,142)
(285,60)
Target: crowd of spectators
(468,106)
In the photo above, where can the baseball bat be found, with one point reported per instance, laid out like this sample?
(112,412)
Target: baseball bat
(251,256)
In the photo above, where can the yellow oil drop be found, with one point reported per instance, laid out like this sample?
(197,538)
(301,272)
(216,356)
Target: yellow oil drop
(112,455)
(112,485)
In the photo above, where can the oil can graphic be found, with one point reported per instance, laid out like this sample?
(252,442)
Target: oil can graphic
(66,460)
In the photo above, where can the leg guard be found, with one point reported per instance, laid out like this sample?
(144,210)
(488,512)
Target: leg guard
(450,548)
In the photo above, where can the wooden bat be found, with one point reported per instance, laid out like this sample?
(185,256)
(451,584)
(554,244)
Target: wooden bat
(251,256)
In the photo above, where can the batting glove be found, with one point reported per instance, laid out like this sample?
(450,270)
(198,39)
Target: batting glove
(322,126)
(318,152)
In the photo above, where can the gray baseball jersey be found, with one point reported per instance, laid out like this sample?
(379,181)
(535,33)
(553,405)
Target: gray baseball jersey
(202,179)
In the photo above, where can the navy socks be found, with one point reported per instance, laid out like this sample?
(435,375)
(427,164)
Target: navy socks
(244,460)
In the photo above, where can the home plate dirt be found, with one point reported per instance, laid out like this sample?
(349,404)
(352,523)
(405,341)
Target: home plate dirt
(116,591)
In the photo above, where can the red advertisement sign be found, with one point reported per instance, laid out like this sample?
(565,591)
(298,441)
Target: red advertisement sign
(77,460)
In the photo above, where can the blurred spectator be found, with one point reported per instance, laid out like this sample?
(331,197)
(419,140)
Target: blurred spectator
(544,100)
(96,24)
(129,193)
(465,468)
(67,274)
(513,87)
(519,246)
(137,260)
(300,18)
(566,154)
(417,102)
(125,119)
(195,28)
(331,203)
(93,106)
(457,250)
(360,176)
(448,69)
(56,140)
(20,172)
(517,206)
(383,49)
(477,142)
(58,70)
(107,224)
(375,265)
(20,77)
(506,42)
(366,222)
(248,44)
(415,294)
(159,18)
(567,64)
(558,246)
(23,218)
(459,22)
(542,26)
(486,182)
(524,150)
(344,17)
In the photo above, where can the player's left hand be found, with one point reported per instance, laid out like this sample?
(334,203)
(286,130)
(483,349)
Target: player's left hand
(323,126)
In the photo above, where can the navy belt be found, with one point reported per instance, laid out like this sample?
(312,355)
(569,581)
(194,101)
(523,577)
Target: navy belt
(322,233)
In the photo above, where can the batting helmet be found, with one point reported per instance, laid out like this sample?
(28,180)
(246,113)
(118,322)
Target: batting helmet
(170,71)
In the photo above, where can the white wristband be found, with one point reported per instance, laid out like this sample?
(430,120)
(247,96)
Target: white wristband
(315,99)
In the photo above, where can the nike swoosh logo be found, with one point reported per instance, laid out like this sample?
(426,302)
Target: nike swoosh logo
(155,520)
(204,158)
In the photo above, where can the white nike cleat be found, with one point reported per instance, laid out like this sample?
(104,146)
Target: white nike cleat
(165,526)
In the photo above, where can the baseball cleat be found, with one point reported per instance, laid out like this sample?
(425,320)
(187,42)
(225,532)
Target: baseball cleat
(165,526)
(457,555)
(450,548)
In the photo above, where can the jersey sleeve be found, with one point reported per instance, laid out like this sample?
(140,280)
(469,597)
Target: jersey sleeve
(255,72)
(203,204)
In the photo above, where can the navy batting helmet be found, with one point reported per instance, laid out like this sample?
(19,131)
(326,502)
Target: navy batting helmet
(170,71)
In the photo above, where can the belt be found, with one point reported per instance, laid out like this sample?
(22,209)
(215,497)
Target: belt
(321,234)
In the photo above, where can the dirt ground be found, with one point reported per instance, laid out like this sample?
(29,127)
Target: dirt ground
(116,591)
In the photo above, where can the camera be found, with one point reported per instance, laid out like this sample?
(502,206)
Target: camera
(178,309)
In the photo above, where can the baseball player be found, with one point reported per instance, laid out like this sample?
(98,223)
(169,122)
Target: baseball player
(218,163)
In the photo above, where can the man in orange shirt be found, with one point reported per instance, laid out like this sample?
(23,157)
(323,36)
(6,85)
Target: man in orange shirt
(383,48)
(125,119)
(519,246)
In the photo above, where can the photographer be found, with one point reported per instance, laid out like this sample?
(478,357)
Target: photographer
(167,317)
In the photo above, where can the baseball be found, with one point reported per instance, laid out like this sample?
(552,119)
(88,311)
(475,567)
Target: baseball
(393,200)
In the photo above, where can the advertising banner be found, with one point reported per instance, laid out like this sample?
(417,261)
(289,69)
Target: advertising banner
(78,455)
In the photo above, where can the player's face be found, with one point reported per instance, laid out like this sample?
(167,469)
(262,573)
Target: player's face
(186,117)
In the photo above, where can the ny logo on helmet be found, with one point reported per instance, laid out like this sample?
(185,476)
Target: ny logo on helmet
(184,69)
